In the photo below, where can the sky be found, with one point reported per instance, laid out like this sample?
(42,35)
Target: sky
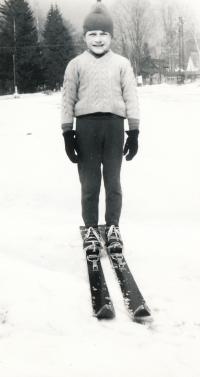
(76,10)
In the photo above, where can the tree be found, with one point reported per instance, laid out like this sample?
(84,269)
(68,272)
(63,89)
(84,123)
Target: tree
(170,50)
(147,64)
(58,48)
(191,36)
(19,52)
(133,20)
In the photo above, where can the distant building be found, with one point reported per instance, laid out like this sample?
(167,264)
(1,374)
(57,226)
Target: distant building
(153,70)
(193,62)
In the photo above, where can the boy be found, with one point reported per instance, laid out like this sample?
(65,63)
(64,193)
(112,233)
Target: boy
(99,89)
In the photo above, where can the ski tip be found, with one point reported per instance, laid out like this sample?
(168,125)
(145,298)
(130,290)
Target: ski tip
(106,312)
(142,314)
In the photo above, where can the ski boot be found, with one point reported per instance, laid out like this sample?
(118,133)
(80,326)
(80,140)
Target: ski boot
(113,238)
(92,243)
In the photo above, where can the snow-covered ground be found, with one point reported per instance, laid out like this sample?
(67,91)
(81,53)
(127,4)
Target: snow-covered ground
(46,323)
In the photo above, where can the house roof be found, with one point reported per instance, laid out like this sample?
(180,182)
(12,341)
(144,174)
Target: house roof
(193,62)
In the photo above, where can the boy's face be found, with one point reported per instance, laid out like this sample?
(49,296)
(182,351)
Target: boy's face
(98,41)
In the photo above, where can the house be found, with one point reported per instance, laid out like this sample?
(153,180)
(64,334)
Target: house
(193,62)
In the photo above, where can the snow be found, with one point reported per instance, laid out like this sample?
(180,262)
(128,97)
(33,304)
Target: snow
(46,324)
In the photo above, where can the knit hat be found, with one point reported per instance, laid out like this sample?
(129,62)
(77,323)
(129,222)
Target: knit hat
(98,19)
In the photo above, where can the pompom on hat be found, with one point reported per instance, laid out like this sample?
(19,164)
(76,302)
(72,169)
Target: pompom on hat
(98,19)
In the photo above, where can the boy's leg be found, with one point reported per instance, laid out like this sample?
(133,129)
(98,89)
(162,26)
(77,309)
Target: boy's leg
(112,160)
(89,135)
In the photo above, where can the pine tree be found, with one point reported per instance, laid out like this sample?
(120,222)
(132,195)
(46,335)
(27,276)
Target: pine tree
(19,41)
(58,48)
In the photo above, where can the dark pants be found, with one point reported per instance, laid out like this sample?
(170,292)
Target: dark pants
(100,142)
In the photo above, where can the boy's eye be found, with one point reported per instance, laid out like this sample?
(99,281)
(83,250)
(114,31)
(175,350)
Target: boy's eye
(95,34)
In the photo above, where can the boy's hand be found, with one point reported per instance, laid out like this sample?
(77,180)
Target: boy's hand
(131,145)
(71,146)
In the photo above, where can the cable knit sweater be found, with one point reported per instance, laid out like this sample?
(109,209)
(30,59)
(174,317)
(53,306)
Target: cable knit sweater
(105,84)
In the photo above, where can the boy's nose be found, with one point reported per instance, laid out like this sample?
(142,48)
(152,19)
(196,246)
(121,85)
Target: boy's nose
(98,39)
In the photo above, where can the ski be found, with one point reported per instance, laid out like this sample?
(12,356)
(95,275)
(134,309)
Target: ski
(134,301)
(101,302)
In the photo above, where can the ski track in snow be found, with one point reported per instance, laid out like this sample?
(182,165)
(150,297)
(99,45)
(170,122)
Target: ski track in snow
(46,323)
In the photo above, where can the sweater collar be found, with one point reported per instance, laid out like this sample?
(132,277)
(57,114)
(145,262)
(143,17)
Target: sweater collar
(100,58)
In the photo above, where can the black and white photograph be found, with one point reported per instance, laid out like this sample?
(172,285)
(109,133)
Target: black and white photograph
(99,188)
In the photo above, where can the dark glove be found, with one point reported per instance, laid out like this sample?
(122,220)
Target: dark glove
(71,146)
(131,145)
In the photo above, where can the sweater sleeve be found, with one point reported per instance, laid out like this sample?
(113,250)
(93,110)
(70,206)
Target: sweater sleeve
(130,96)
(69,95)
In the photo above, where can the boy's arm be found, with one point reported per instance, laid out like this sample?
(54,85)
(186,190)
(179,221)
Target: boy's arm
(69,95)
(129,89)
